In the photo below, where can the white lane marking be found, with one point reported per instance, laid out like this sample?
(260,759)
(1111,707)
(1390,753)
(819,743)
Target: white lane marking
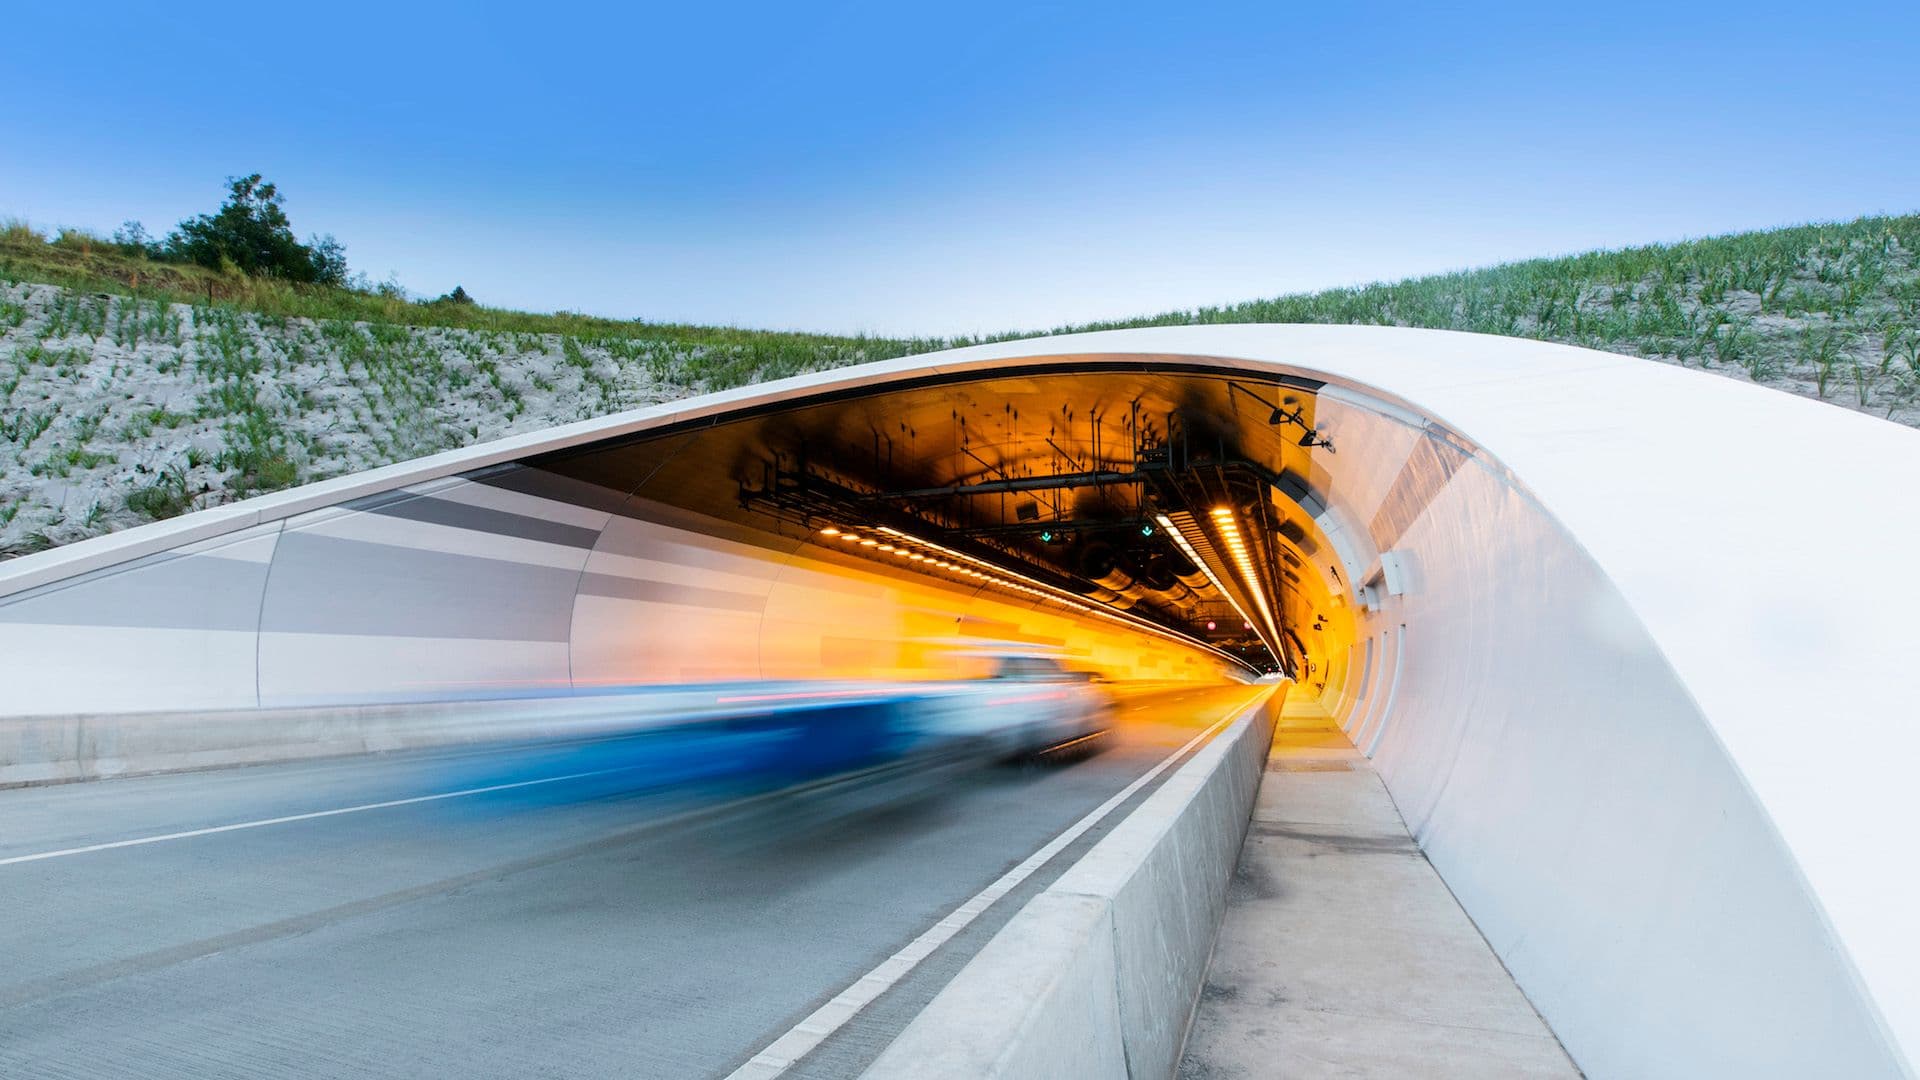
(264,822)
(800,1040)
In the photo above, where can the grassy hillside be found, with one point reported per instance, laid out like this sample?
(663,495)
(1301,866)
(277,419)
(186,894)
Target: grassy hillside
(132,390)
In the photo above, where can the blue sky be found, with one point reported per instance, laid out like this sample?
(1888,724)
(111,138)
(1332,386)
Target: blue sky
(905,168)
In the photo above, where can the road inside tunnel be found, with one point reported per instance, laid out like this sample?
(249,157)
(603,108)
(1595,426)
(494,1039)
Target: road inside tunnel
(570,925)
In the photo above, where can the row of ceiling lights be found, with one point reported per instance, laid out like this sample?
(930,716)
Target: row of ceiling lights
(902,551)
(1177,526)
(1177,530)
(1242,556)
(926,554)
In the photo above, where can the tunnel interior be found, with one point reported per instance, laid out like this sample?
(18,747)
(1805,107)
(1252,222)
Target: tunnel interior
(1179,501)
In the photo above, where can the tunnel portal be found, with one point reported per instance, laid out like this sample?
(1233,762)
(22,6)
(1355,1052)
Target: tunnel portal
(1157,498)
(1571,668)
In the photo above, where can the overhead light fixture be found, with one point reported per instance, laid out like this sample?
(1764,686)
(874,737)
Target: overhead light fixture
(1242,556)
(971,566)
(1281,415)
(1178,530)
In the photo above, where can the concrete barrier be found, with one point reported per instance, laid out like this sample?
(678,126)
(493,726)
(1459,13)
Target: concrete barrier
(63,749)
(38,750)
(1098,975)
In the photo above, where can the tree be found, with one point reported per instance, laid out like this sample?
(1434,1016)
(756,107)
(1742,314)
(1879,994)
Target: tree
(133,237)
(329,258)
(251,231)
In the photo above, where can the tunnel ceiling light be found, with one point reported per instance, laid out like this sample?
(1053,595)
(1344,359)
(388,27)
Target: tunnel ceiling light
(1178,527)
(970,566)
(1242,555)
(1186,547)
(901,547)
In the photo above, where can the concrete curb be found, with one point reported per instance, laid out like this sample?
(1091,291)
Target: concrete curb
(1099,974)
(64,749)
(40,750)
(36,750)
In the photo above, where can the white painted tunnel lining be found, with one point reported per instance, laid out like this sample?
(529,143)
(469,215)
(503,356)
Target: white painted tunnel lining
(1393,692)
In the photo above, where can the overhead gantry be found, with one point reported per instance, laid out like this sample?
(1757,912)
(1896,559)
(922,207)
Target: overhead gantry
(1581,610)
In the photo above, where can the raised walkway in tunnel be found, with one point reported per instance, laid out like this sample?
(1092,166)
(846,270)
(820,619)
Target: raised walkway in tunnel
(1342,952)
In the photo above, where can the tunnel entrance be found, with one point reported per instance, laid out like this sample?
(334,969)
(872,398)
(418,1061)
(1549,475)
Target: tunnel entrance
(1451,566)
(1182,501)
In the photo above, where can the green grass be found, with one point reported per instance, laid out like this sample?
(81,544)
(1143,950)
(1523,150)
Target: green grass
(1831,310)
(1653,300)
(91,265)
(164,497)
(1840,268)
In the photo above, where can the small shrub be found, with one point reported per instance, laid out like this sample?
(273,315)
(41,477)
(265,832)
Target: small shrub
(23,428)
(167,496)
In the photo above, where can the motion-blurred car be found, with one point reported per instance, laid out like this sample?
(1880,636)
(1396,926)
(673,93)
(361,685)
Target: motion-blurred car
(1028,704)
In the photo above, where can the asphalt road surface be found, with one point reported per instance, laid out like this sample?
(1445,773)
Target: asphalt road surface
(520,911)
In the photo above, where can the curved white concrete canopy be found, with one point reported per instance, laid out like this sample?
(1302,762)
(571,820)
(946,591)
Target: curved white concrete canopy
(1758,545)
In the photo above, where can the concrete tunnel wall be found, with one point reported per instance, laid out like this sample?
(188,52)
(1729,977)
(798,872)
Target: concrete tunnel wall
(1600,646)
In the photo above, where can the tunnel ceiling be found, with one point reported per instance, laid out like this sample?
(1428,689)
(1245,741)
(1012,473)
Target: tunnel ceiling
(1171,496)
